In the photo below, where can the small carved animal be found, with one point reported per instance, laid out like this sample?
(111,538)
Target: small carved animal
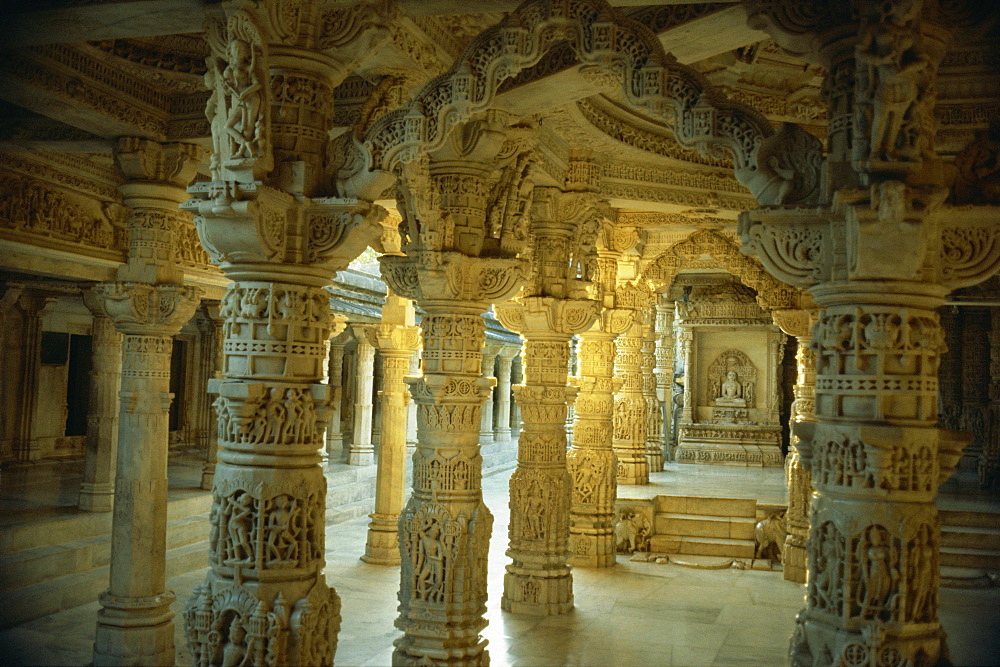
(769,534)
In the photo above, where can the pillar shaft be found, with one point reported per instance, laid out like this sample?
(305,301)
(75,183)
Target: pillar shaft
(505,359)
(538,579)
(445,527)
(592,459)
(396,343)
(798,323)
(149,305)
(97,491)
(210,363)
(654,413)
(362,451)
(335,433)
(486,431)
(630,424)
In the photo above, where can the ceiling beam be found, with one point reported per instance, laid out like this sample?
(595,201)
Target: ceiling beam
(690,34)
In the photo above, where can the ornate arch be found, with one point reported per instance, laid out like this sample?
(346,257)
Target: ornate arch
(610,48)
(772,294)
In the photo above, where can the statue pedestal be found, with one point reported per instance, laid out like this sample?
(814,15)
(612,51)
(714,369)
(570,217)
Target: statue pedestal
(749,445)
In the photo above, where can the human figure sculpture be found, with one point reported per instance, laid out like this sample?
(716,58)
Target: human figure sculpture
(876,576)
(243,124)
(897,75)
(282,546)
(429,564)
(235,652)
(238,529)
(731,391)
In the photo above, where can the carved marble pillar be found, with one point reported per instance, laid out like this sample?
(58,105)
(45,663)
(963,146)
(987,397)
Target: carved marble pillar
(135,623)
(878,256)
(591,458)
(516,377)
(464,231)
(149,305)
(504,360)
(97,491)
(32,307)
(687,354)
(630,423)
(335,433)
(267,217)
(538,580)
(411,406)
(362,452)
(654,414)
(548,313)
(486,432)
(396,338)
(665,344)
(798,323)
(210,362)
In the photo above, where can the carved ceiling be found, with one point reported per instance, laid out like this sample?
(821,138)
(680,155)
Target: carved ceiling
(67,101)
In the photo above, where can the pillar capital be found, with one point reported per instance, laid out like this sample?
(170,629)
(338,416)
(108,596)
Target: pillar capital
(142,309)
(142,161)
(536,317)
(449,277)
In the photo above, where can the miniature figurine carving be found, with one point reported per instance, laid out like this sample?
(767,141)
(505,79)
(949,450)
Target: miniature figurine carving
(769,534)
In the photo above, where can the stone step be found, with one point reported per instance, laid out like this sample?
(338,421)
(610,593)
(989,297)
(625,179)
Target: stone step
(701,525)
(39,564)
(77,525)
(725,507)
(983,559)
(971,537)
(28,602)
(969,518)
(702,546)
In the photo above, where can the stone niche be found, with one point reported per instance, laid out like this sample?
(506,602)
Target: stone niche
(732,354)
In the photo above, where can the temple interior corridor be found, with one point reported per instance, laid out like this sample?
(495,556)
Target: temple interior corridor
(436,332)
(631,615)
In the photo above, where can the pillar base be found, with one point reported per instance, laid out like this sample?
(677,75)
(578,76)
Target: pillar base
(361,457)
(655,460)
(96,497)
(487,438)
(502,435)
(634,473)
(135,631)
(793,557)
(207,476)
(537,592)
(382,547)
(870,645)
(409,654)
(592,551)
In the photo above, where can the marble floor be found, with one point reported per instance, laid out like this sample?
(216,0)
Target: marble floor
(632,614)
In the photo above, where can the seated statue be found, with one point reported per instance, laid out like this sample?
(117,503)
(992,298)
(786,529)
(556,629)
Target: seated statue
(731,392)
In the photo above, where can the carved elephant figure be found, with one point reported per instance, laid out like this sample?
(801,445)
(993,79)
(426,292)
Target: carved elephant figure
(769,534)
